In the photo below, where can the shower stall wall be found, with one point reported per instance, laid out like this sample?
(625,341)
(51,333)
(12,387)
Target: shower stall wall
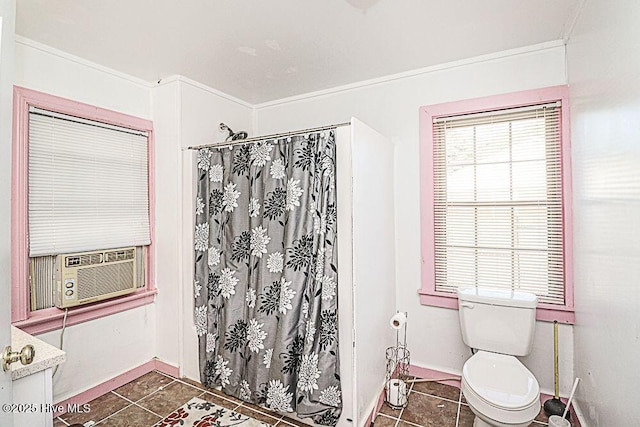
(366,266)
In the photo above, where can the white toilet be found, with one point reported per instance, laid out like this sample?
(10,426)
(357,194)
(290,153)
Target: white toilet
(499,324)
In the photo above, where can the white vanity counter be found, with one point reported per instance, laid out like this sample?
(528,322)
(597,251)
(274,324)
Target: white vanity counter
(33,383)
(47,356)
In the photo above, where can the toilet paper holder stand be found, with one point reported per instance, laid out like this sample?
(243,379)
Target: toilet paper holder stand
(398,360)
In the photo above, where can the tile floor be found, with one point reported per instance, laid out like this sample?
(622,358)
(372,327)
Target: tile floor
(148,399)
(435,405)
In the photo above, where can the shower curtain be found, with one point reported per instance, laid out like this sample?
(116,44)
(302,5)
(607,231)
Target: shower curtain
(266,274)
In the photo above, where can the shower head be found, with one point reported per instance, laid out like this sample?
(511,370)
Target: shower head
(233,136)
(239,135)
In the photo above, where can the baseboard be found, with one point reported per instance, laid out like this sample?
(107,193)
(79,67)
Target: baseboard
(166,368)
(428,373)
(118,381)
(378,406)
(375,408)
(579,414)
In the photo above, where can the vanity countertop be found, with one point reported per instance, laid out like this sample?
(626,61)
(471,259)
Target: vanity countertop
(47,356)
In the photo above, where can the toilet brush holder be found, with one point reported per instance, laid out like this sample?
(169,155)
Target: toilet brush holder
(563,421)
(558,421)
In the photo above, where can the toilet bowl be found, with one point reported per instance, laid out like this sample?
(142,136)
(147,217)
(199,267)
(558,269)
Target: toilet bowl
(500,390)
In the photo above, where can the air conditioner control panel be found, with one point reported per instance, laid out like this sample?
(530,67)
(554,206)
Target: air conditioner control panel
(70,288)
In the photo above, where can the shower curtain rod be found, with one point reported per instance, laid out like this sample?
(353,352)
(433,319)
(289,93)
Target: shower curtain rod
(262,138)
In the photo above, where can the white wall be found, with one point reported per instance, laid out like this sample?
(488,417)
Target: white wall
(7,15)
(166,116)
(100,349)
(48,70)
(604,73)
(186,113)
(391,107)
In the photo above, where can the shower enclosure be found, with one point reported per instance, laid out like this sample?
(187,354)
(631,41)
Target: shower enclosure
(366,266)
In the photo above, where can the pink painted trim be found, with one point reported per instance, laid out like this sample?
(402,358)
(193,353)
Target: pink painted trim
(150,275)
(50,319)
(427,218)
(376,410)
(166,368)
(19,208)
(444,301)
(544,312)
(119,381)
(420,372)
(567,196)
(551,314)
(428,295)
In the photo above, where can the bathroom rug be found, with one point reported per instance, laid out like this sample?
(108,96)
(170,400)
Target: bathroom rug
(200,413)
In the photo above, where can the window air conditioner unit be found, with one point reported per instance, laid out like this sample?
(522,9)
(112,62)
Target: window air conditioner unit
(87,277)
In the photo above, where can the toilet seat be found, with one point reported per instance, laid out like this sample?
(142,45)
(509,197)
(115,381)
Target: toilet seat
(501,388)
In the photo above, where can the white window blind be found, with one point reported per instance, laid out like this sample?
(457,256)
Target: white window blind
(498,201)
(88,185)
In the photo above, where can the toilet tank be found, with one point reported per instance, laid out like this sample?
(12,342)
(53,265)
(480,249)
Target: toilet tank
(497,320)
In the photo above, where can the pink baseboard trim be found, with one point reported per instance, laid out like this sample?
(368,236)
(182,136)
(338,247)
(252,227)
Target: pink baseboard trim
(376,410)
(119,381)
(427,373)
(166,368)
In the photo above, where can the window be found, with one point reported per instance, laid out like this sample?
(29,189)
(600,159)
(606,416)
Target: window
(496,202)
(81,183)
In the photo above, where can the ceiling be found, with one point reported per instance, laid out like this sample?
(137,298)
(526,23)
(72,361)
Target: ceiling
(265,50)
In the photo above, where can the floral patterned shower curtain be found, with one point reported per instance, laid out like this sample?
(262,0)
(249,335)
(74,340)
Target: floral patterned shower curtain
(266,274)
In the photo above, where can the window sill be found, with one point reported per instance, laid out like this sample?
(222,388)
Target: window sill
(544,312)
(51,319)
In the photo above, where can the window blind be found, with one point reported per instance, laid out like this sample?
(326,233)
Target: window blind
(498,201)
(88,185)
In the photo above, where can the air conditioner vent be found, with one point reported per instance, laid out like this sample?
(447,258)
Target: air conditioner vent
(119,255)
(108,279)
(82,260)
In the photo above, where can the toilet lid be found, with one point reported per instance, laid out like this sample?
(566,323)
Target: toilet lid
(501,380)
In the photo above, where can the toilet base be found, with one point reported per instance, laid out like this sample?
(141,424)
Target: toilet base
(477,422)
(481,422)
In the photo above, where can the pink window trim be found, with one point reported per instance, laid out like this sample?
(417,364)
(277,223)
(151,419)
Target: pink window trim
(50,319)
(428,295)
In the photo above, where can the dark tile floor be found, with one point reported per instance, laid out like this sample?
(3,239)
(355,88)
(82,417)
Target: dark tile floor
(146,400)
(435,405)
